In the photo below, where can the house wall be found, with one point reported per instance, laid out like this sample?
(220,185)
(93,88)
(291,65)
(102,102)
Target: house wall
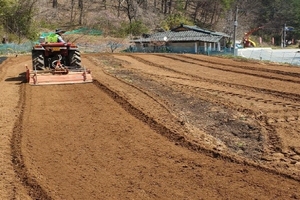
(139,47)
(179,47)
(182,47)
(146,47)
(194,47)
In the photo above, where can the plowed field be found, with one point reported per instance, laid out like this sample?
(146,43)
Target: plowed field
(152,126)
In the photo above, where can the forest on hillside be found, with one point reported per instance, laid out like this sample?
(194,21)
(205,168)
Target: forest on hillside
(123,18)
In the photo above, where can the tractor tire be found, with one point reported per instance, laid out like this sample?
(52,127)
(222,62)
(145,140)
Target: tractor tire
(75,59)
(38,61)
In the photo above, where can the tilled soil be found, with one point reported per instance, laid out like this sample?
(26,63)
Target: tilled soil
(152,126)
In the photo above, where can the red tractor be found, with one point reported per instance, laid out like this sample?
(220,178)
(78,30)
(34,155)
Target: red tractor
(57,63)
(44,55)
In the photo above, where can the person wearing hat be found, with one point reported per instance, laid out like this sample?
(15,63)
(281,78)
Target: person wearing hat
(59,32)
(56,37)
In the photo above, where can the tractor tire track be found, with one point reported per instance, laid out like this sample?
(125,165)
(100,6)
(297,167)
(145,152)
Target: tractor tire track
(35,191)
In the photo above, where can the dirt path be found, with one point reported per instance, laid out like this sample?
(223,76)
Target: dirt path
(151,127)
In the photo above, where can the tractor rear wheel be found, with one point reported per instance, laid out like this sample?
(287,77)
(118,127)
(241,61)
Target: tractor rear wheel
(75,59)
(38,62)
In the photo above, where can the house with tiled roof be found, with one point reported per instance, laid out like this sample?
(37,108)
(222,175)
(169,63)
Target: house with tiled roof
(182,39)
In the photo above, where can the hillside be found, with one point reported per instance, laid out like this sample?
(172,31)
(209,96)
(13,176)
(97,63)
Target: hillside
(108,16)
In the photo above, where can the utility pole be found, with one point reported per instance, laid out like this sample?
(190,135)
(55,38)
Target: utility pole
(235,24)
(284,35)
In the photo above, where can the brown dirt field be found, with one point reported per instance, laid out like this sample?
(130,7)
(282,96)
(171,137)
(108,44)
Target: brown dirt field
(152,126)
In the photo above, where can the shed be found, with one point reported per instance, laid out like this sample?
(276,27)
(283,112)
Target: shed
(182,39)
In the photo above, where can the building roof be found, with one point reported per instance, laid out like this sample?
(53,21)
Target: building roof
(183,33)
(180,36)
(183,27)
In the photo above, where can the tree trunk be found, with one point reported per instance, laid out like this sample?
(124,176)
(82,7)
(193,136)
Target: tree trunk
(164,6)
(80,5)
(214,13)
(54,4)
(186,4)
(119,7)
(104,2)
(72,11)
(170,6)
(129,7)
(145,5)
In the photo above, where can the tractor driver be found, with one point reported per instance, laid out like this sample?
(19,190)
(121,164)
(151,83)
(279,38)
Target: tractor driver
(59,33)
(56,37)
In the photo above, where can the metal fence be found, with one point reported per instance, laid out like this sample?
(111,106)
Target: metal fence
(289,56)
(12,48)
(179,49)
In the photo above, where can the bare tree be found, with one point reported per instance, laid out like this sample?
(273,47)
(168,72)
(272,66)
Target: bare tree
(54,4)
(142,3)
(130,9)
(115,44)
(104,3)
(170,6)
(186,4)
(80,6)
(119,7)
(214,12)
(164,5)
(72,10)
